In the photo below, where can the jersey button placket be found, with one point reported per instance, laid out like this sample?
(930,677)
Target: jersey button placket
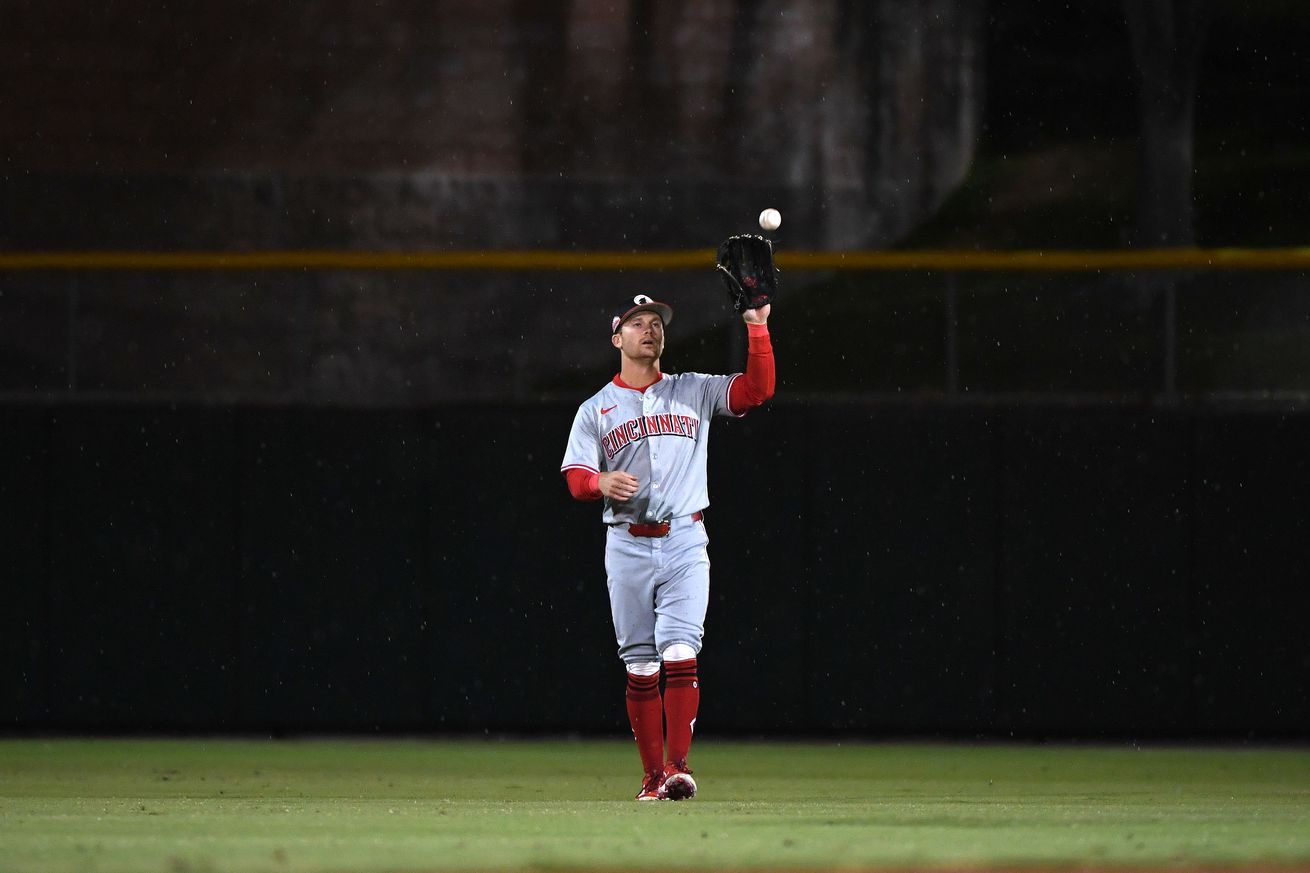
(648,408)
(655,501)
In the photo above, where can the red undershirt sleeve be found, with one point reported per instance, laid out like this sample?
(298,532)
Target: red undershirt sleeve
(756,386)
(583,484)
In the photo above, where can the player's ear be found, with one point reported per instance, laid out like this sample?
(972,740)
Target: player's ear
(616,340)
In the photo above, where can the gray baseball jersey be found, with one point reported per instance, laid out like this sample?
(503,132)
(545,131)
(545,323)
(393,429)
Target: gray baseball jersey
(660,435)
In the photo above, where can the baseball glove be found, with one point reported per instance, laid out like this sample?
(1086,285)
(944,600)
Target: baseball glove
(745,264)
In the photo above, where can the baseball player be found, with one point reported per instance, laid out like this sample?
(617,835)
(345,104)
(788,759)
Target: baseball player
(640,443)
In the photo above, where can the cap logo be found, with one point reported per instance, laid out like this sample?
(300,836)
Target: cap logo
(641,303)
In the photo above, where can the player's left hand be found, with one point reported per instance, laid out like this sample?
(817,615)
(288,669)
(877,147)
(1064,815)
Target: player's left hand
(757,316)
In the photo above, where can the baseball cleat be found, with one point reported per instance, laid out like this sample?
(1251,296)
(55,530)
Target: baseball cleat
(678,784)
(651,788)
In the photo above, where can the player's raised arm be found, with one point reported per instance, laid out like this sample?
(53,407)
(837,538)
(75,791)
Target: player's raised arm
(757,385)
(745,264)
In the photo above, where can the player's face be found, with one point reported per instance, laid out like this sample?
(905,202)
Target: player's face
(641,337)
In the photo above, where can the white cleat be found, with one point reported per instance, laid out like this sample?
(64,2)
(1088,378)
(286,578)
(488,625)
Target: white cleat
(678,784)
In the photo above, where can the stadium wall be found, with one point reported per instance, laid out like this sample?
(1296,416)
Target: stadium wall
(1034,572)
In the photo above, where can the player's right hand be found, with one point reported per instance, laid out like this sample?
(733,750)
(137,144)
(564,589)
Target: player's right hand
(618,485)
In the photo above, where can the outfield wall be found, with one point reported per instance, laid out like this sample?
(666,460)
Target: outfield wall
(958,571)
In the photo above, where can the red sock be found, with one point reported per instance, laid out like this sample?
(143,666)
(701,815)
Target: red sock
(681,700)
(646,715)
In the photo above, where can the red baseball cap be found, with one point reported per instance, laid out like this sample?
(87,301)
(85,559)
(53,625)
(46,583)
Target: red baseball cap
(641,303)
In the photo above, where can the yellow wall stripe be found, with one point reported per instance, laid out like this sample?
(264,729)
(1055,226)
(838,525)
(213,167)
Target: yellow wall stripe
(696,259)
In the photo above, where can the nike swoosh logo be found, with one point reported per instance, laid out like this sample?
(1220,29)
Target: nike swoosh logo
(603,410)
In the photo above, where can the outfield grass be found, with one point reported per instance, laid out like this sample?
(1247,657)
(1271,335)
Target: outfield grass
(222,805)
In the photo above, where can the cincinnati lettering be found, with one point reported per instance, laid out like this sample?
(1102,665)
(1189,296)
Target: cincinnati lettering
(637,429)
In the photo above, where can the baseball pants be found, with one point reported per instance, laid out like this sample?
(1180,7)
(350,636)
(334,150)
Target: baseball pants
(659,588)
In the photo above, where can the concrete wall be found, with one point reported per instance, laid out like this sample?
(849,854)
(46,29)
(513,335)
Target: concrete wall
(492,122)
(449,125)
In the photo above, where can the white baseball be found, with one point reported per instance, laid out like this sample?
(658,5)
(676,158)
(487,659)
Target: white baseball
(770,219)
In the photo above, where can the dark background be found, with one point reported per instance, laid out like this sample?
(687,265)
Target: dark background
(1027,572)
(330,502)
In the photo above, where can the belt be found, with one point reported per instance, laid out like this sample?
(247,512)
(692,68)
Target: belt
(657,528)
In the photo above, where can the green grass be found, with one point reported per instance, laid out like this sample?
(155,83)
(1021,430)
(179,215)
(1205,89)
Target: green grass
(222,805)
